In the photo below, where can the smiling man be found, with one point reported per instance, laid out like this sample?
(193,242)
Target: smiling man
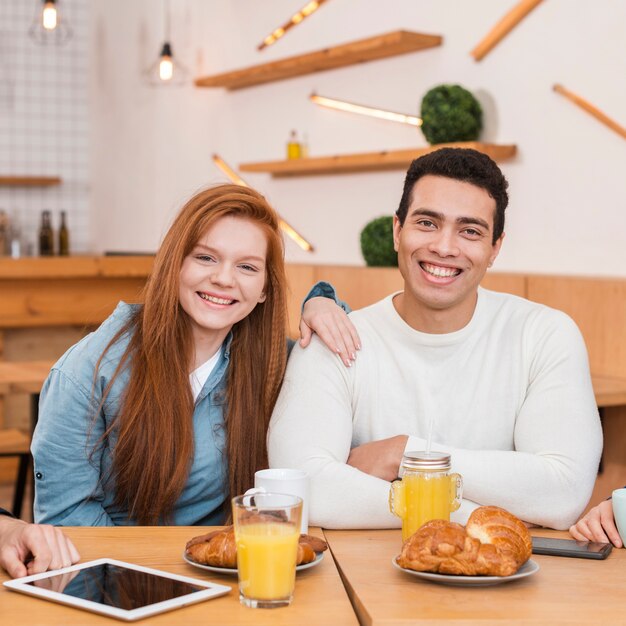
(502,383)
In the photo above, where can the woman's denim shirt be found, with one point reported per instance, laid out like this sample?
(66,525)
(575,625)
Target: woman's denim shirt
(73,483)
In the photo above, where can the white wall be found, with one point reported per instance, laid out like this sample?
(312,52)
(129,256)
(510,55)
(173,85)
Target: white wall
(152,147)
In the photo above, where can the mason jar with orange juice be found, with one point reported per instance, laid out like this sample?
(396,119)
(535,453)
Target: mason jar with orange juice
(427,490)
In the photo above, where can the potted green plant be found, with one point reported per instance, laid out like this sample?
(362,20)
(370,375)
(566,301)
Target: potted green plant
(377,243)
(450,113)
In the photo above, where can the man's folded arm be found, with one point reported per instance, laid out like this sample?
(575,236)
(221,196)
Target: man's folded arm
(549,477)
(311,429)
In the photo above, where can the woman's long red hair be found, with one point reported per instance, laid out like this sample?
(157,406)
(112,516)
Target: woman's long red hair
(154,429)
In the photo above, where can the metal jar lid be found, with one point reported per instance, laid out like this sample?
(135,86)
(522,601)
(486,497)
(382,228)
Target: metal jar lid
(426,460)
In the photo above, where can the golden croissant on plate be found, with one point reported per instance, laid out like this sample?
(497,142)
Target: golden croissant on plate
(493,543)
(218,548)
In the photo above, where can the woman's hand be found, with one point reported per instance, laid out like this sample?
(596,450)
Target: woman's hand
(597,525)
(33,548)
(332,324)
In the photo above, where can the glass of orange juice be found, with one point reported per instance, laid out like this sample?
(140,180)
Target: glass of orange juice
(427,490)
(267,529)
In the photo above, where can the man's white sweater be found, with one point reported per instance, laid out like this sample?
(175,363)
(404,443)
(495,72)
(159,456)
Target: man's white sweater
(509,397)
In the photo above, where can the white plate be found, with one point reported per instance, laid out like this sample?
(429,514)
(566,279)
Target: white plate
(229,571)
(528,569)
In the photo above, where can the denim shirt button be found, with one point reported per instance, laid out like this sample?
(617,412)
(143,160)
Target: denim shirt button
(38,475)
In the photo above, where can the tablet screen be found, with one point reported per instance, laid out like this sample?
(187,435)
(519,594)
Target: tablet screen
(116,586)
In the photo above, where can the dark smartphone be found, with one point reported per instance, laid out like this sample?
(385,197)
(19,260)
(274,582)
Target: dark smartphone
(571,547)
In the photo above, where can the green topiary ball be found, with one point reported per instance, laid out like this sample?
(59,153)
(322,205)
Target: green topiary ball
(451,113)
(377,243)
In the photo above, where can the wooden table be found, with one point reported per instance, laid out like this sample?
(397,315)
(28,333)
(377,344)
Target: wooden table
(319,596)
(563,591)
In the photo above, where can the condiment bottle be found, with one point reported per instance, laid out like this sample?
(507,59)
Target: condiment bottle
(294,147)
(64,237)
(4,233)
(46,237)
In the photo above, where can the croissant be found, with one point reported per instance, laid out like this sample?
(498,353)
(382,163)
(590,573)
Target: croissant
(493,543)
(218,548)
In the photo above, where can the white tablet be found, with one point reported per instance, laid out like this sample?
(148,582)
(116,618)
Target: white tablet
(117,589)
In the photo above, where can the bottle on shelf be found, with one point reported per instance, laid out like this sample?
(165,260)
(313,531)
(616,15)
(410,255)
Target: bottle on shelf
(4,232)
(304,151)
(16,249)
(64,237)
(46,237)
(294,147)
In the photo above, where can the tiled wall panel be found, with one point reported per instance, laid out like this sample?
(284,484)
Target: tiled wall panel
(44,119)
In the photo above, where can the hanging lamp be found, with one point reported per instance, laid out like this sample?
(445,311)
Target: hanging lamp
(167,70)
(49,26)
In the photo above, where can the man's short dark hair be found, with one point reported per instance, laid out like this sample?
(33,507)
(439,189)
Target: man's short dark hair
(466,165)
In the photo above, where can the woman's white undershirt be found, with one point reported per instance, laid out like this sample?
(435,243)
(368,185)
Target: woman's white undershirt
(199,376)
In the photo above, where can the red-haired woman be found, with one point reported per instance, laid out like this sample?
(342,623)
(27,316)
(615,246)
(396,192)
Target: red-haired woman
(162,412)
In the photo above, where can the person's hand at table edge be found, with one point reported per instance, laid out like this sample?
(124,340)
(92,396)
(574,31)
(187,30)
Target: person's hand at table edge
(33,548)
(597,525)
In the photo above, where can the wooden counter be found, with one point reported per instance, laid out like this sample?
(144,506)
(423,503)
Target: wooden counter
(60,291)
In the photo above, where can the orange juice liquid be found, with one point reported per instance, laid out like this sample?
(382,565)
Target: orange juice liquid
(266,560)
(422,498)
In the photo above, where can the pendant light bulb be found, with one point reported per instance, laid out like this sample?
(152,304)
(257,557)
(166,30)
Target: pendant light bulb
(49,27)
(166,64)
(166,70)
(49,15)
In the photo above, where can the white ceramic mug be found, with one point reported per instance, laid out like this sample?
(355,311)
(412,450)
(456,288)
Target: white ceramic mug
(291,481)
(619,511)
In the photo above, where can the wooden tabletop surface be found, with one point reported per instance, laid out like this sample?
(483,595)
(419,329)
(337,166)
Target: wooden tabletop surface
(563,591)
(319,597)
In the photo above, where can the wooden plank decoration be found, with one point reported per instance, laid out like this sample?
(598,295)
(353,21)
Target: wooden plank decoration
(503,27)
(298,17)
(287,228)
(29,181)
(371,49)
(591,109)
(368,161)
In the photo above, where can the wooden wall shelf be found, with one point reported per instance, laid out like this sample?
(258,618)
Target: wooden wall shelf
(367,161)
(29,181)
(379,47)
